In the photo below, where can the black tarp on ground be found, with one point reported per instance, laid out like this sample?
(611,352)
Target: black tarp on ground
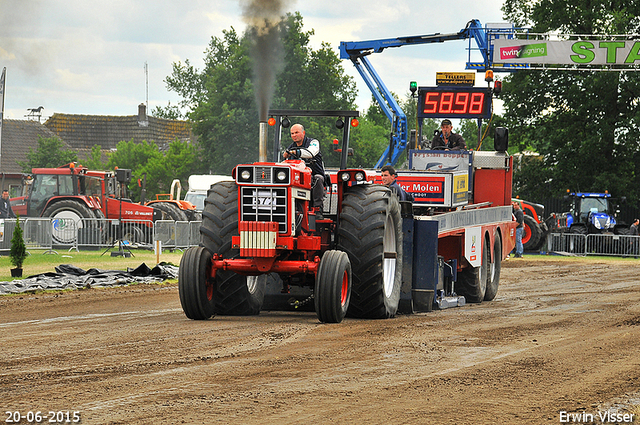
(68,276)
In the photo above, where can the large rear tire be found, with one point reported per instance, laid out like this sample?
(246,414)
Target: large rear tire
(333,287)
(195,285)
(67,217)
(170,210)
(234,294)
(532,234)
(472,282)
(493,277)
(370,232)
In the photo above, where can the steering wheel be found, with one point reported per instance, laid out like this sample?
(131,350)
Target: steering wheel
(294,153)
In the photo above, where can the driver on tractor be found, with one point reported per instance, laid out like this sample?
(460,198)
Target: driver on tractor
(308,149)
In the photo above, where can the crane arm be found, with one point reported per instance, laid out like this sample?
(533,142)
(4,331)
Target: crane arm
(358,52)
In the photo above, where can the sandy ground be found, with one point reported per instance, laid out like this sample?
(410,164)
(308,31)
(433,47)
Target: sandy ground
(561,338)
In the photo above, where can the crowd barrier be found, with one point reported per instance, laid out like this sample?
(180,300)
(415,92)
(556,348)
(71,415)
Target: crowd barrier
(63,233)
(596,244)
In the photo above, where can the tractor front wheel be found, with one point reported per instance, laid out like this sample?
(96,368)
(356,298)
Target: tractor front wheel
(195,286)
(333,287)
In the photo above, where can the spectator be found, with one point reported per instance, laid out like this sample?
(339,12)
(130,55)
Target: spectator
(5,206)
(389,176)
(634,242)
(519,215)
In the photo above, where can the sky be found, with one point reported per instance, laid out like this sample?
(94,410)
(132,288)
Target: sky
(106,58)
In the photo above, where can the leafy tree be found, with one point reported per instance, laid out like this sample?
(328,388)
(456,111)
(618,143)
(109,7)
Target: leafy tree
(94,160)
(158,169)
(50,153)
(179,162)
(220,99)
(135,156)
(169,112)
(585,124)
(368,140)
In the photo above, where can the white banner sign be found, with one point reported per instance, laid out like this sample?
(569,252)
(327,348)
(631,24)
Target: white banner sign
(571,52)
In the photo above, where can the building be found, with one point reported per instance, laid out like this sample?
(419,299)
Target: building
(18,136)
(82,132)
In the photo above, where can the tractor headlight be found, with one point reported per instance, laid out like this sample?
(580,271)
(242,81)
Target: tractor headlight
(359,176)
(281,175)
(345,177)
(245,175)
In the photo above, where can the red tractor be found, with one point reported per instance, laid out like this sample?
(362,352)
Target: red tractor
(351,261)
(74,196)
(535,226)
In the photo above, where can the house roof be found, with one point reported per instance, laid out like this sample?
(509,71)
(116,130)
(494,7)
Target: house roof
(18,136)
(85,131)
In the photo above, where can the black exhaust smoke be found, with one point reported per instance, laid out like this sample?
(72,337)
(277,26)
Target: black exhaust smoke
(263,18)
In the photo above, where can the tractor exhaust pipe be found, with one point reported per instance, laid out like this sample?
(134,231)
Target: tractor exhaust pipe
(262,156)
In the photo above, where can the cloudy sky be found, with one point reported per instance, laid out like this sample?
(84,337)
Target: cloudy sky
(86,57)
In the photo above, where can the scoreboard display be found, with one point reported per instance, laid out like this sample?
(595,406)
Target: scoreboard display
(454,102)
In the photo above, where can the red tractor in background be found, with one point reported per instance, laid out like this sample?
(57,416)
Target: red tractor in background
(170,203)
(73,195)
(536,227)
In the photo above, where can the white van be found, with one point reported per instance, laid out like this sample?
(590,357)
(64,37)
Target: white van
(199,184)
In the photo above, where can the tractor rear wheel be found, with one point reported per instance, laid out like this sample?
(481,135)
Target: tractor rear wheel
(472,282)
(370,232)
(333,287)
(532,233)
(67,217)
(195,285)
(170,211)
(493,277)
(234,294)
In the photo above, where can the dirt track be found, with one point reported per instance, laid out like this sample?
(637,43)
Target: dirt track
(563,335)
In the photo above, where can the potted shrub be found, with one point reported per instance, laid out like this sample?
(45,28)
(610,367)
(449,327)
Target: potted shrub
(18,250)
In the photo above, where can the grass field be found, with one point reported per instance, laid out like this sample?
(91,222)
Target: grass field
(38,262)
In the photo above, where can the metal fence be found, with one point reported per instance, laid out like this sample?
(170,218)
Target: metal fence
(86,234)
(598,244)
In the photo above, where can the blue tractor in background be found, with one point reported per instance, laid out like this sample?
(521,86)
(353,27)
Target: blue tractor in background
(591,213)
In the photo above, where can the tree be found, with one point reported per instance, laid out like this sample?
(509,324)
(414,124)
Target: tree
(585,124)
(18,252)
(220,99)
(179,162)
(135,156)
(48,154)
(94,160)
(160,168)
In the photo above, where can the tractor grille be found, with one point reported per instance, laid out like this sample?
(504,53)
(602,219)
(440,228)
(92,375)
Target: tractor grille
(263,175)
(265,204)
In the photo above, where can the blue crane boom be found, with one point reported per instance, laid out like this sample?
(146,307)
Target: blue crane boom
(357,52)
